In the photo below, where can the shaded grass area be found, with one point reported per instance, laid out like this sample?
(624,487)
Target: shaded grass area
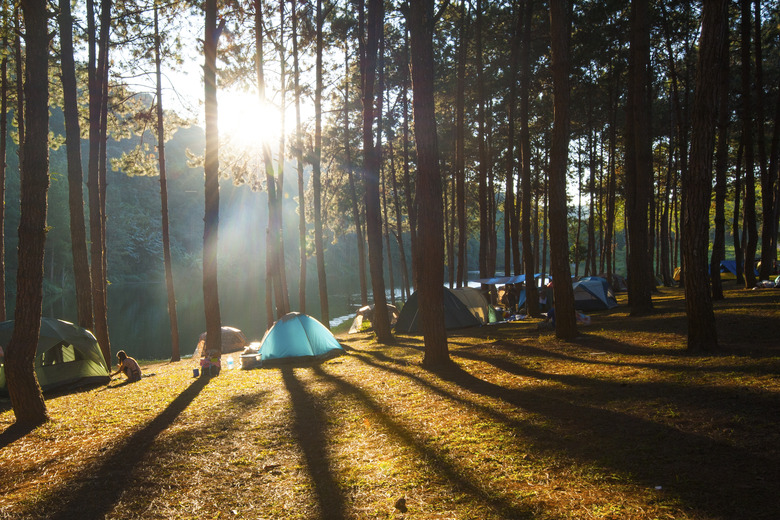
(621,423)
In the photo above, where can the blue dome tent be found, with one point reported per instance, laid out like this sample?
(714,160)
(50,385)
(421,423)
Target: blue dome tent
(294,337)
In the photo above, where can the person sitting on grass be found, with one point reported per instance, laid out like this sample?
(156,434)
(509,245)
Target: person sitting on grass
(128,366)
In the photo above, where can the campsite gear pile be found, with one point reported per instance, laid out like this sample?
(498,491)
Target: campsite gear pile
(67,355)
(210,363)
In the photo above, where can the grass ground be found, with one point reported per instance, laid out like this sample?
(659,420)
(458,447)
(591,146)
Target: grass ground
(620,424)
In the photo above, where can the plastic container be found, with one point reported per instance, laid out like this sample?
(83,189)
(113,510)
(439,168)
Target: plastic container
(230,363)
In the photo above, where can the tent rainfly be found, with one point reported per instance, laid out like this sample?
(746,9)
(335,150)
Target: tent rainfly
(456,314)
(593,293)
(294,337)
(67,355)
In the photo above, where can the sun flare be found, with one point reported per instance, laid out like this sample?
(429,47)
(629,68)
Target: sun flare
(246,123)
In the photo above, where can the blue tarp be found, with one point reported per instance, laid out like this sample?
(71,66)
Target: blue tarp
(731,267)
(503,280)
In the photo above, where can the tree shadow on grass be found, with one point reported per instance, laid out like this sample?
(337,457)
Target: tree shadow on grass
(309,426)
(712,476)
(706,474)
(450,470)
(95,494)
(13,433)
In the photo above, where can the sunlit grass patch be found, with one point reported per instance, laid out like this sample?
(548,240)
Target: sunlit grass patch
(621,423)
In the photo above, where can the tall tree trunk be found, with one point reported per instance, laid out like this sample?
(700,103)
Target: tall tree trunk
(565,323)
(767,181)
(399,231)
(26,398)
(609,241)
(164,197)
(284,306)
(774,171)
(460,143)
(380,101)
(639,163)
(721,165)
(545,221)
(430,259)
(579,219)
(299,164)
(531,293)
(211,186)
(735,229)
(78,233)
(702,333)
(747,130)
(316,177)
(96,71)
(482,172)
(3,151)
(664,232)
(273,287)
(511,231)
(492,243)
(375,24)
(411,206)
(449,227)
(592,210)
(386,233)
(19,66)
(353,191)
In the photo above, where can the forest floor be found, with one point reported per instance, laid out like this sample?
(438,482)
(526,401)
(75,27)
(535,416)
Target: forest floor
(621,423)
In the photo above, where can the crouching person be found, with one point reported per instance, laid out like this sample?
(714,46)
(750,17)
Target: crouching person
(128,366)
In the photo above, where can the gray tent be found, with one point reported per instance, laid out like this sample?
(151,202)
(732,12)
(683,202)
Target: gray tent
(593,293)
(67,355)
(456,314)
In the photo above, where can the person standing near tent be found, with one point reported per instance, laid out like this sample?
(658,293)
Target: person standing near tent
(128,366)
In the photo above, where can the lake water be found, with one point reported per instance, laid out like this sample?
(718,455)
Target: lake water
(138,312)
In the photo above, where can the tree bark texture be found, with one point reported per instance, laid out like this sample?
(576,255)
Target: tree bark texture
(429,209)
(317,174)
(639,163)
(166,235)
(565,323)
(751,228)
(702,333)
(380,320)
(529,263)
(299,166)
(460,142)
(211,186)
(26,398)
(78,232)
(721,166)
(97,61)
(3,154)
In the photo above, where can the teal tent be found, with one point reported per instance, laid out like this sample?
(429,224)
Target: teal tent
(297,337)
(67,355)
(456,314)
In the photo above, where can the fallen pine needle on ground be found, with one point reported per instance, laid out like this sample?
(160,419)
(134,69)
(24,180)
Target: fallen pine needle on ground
(622,423)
